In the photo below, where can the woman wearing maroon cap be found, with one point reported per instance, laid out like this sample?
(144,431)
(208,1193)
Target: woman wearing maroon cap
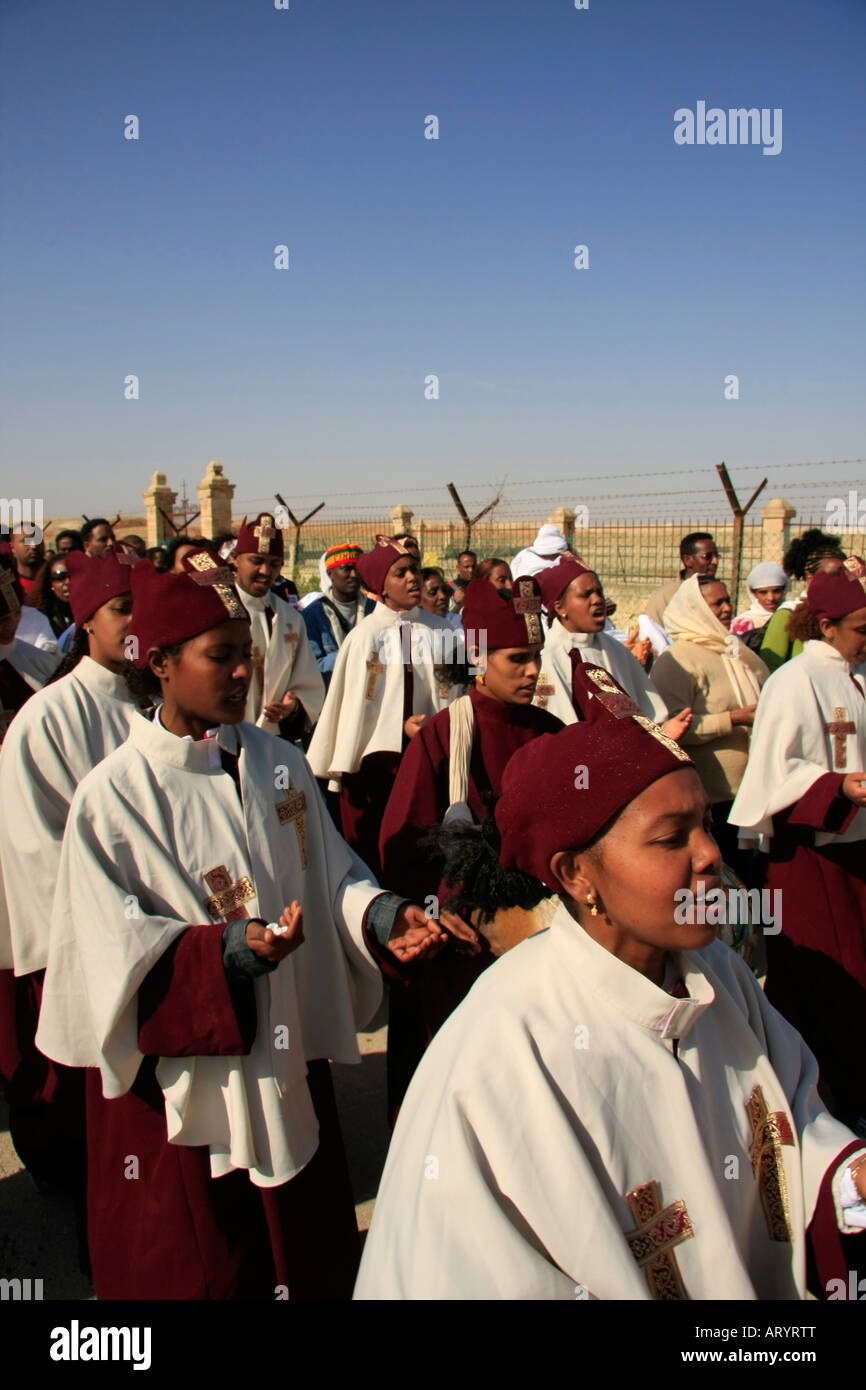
(614,1111)
(195,859)
(81,715)
(400,665)
(804,793)
(453,767)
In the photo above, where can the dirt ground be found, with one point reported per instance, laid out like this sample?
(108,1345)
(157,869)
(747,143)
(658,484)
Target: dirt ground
(37,1234)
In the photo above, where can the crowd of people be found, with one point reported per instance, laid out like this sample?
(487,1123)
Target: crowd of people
(612,881)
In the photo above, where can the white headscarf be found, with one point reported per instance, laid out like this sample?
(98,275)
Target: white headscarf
(764,576)
(689,618)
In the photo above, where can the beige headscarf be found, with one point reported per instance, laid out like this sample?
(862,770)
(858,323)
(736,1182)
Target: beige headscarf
(689,618)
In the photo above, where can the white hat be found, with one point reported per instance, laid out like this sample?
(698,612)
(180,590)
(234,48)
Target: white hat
(549,540)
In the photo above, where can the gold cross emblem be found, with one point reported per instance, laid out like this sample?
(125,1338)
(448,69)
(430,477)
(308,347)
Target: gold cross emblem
(375,669)
(770,1132)
(292,638)
(652,1241)
(264,533)
(839,727)
(292,809)
(219,578)
(229,898)
(543,691)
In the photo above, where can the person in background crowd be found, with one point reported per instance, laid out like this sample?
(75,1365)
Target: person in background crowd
(339,606)
(392,671)
(467,564)
(28,555)
(65,541)
(804,792)
(23,666)
(50,594)
(286,692)
(710,671)
(136,545)
(575,603)
(767,584)
(545,550)
(805,557)
(179,546)
(698,555)
(435,592)
(97,535)
(158,556)
(497,571)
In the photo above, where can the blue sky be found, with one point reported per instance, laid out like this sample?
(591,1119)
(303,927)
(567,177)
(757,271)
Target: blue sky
(411,256)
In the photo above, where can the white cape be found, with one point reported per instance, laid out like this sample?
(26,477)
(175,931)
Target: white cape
(351,724)
(289,660)
(790,747)
(144,829)
(53,742)
(35,664)
(553,691)
(557,1089)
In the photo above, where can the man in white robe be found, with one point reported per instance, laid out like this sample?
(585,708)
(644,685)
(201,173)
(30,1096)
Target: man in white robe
(545,550)
(287,691)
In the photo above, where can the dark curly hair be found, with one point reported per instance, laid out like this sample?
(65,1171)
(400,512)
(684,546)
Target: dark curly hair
(810,543)
(144,685)
(471,868)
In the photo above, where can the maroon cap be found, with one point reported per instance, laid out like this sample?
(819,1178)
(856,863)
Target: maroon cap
(96,579)
(169,608)
(373,565)
(548,803)
(260,537)
(836,595)
(505,621)
(554,580)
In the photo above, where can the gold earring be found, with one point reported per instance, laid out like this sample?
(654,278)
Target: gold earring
(592,907)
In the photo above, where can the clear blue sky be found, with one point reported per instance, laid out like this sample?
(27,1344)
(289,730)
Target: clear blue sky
(411,256)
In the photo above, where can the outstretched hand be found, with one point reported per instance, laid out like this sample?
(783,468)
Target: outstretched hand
(273,946)
(676,727)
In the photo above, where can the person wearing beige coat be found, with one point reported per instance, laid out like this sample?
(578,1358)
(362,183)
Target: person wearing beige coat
(711,670)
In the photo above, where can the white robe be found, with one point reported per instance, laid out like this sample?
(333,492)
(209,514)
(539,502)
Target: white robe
(554,1091)
(597,649)
(352,726)
(53,742)
(790,747)
(289,663)
(144,828)
(35,664)
(35,629)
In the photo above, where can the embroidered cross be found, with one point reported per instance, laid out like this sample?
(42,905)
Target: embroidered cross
(264,533)
(291,637)
(292,809)
(258,658)
(218,577)
(543,691)
(375,668)
(527,602)
(229,898)
(652,1242)
(770,1132)
(839,728)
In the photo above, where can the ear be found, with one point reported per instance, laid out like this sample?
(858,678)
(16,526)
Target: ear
(574,871)
(477,658)
(158,662)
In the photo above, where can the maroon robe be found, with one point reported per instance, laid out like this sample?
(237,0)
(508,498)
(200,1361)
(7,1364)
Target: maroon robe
(816,967)
(423,995)
(162,1227)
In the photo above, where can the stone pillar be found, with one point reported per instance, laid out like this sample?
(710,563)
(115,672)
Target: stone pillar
(776,518)
(215,495)
(158,499)
(563,517)
(401,519)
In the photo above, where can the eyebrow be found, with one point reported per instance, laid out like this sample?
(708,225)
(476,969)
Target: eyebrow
(680,815)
